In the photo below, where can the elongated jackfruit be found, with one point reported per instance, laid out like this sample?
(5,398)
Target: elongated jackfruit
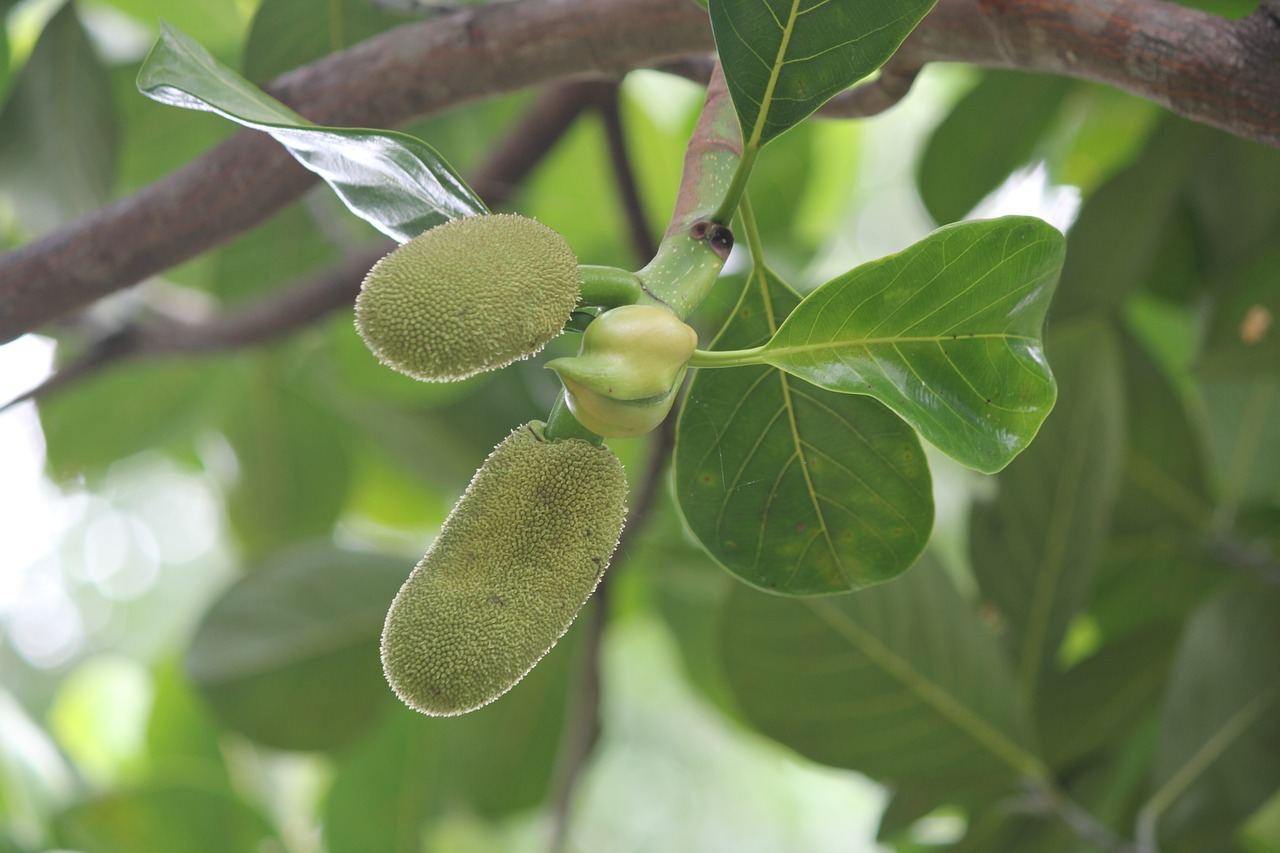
(467,296)
(517,558)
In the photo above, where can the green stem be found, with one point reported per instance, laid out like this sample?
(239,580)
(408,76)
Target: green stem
(608,286)
(727,358)
(737,187)
(561,425)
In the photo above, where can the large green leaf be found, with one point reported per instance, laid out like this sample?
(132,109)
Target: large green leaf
(900,681)
(58,129)
(160,817)
(793,488)
(289,654)
(946,333)
(784,58)
(397,183)
(964,160)
(1035,546)
(1216,755)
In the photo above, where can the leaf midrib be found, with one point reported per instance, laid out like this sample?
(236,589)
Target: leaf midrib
(766,101)
(865,343)
(931,694)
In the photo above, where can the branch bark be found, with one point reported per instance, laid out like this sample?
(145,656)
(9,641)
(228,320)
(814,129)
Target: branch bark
(1223,73)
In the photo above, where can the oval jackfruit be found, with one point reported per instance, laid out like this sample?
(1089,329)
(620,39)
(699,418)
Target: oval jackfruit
(515,561)
(470,295)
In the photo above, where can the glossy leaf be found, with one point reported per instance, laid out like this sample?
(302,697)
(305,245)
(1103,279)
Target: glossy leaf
(964,160)
(163,817)
(395,182)
(946,333)
(784,58)
(1215,757)
(58,144)
(899,681)
(1034,547)
(793,488)
(289,654)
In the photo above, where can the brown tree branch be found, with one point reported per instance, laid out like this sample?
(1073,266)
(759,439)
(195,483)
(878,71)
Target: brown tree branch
(642,239)
(1223,73)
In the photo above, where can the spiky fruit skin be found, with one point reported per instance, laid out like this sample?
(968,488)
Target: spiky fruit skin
(470,295)
(515,561)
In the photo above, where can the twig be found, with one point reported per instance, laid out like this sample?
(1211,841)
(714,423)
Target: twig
(642,240)
(1044,800)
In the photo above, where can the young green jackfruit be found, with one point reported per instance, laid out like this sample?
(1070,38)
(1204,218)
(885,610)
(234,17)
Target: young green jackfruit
(515,561)
(468,296)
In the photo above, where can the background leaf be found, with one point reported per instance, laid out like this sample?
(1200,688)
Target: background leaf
(793,488)
(899,681)
(58,129)
(497,760)
(1220,722)
(288,33)
(964,160)
(289,654)
(946,333)
(397,183)
(784,58)
(1035,546)
(160,817)
(293,465)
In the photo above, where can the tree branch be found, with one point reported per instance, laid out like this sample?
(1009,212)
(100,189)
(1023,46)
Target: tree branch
(624,176)
(1223,73)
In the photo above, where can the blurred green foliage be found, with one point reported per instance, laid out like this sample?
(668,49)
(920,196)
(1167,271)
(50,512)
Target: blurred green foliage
(1111,623)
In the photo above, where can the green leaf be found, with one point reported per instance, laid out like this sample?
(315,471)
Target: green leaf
(1243,336)
(1123,229)
(1215,757)
(946,333)
(1035,546)
(289,33)
(289,654)
(784,58)
(964,160)
(395,182)
(129,409)
(1105,696)
(294,470)
(1243,421)
(900,682)
(498,760)
(58,148)
(1165,487)
(793,488)
(161,817)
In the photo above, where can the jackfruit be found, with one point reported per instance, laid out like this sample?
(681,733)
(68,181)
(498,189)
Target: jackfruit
(470,295)
(514,562)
